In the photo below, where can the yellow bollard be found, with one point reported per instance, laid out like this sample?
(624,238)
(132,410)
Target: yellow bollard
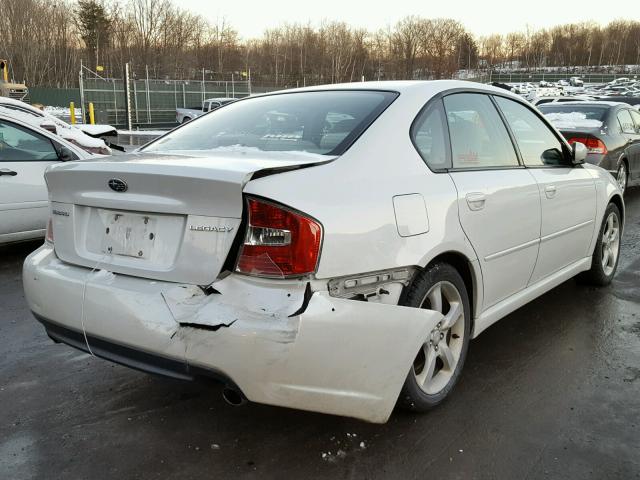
(92,118)
(72,113)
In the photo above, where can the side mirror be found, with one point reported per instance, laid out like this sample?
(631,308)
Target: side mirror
(66,155)
(578,153)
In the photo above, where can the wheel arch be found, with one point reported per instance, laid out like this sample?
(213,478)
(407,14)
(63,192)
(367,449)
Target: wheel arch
(618,202)
(470,275)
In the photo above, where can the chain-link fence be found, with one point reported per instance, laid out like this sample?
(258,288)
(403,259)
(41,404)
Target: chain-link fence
(152,102)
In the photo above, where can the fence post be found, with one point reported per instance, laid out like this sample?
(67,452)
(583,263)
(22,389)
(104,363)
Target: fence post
(127,96)
(81,82)
(233,87)
(148,95)
(72,113)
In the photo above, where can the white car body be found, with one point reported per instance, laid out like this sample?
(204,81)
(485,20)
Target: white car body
(84,136)
(302,342)
(24,204)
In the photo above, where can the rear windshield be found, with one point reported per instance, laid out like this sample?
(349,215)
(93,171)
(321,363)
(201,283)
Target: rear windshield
(574,116)
(325,122)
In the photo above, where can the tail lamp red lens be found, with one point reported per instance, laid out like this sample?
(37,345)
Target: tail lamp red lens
(593,144)
(279,242)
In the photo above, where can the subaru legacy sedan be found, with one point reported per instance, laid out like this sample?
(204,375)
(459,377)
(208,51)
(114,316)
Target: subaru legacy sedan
(332,249)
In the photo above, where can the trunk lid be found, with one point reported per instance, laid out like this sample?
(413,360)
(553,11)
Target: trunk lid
(170,217)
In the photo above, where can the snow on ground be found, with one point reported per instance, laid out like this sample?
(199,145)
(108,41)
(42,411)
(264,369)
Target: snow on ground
(64,112)
(142,132)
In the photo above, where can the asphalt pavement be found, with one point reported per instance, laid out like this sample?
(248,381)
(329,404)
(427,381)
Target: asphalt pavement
(552,391)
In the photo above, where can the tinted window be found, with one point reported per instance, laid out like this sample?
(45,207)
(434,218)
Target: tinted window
(626,124)
(323,122)
(569,117)
(546,100)
(21,144)
(428,134)
(537,143)
(479,139)
(636,118)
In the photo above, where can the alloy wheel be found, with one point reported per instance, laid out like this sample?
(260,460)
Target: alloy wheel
(622,177)
(436,362)
(610,243)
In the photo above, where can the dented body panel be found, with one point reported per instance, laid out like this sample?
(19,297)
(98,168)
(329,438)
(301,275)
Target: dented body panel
(338,356)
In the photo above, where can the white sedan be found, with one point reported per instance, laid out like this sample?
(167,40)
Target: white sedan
(25,153)
(331,249)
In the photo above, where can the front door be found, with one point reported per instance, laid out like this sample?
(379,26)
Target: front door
(24,156)
(567,192)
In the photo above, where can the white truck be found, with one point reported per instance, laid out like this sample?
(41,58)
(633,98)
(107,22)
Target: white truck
(184,115)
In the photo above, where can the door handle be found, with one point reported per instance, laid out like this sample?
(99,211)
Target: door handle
(476,201)
(550,191)
(6,171)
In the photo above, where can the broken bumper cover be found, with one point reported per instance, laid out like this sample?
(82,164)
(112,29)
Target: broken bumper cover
(335,356)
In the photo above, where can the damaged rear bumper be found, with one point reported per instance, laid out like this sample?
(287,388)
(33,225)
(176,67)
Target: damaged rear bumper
(275,343)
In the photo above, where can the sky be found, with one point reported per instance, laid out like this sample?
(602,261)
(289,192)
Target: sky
(251,17)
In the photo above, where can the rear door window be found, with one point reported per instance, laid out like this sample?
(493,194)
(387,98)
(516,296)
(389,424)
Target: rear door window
(537,143)
(636,119)
(479,138)
(626,123)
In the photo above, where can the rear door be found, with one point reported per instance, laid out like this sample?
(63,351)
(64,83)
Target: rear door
(24,156)
(498,199)
(630,129)
(567,192)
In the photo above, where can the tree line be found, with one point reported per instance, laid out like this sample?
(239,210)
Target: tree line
(45,41)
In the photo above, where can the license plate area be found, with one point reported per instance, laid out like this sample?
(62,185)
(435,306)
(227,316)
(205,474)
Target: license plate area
(129,235)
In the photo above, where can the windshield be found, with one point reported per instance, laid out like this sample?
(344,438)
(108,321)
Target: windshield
(323,122)
(574,116)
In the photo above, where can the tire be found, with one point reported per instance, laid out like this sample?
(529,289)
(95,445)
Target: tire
(420,394)
(602,273)
(622,177)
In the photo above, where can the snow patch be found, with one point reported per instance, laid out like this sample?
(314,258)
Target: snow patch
(572,120)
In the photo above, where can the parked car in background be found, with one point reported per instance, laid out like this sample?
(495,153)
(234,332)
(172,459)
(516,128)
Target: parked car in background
(90,142)
(556,99)
(25,153)
(331,249)
(610,130)
(184,115)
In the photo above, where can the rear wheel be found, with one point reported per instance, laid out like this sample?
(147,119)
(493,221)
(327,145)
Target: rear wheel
(438,364)
(186,119)
(607,250)
(622,177)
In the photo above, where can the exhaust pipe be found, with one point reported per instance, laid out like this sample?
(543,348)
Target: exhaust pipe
(233,396)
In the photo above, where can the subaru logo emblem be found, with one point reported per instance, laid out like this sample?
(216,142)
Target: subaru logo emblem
(118,185)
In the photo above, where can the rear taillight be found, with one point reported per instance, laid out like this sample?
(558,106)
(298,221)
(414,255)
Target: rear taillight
(49,235)
(593,144)
(279,242)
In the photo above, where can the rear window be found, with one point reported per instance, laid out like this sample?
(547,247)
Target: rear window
(574,116)
(325,122)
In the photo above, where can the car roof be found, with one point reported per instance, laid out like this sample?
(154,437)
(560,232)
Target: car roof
(431,87)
